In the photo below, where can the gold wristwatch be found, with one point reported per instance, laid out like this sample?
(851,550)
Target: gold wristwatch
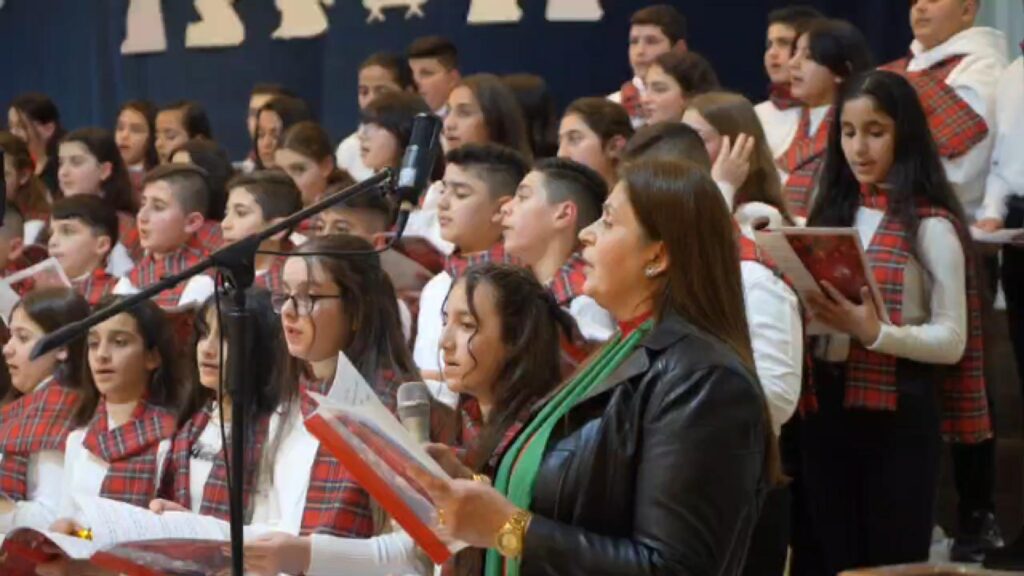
(509,541)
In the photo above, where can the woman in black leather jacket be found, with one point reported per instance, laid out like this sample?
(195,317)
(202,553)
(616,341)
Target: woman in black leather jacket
(654,457)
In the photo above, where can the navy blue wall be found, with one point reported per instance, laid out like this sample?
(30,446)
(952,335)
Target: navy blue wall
(70,50)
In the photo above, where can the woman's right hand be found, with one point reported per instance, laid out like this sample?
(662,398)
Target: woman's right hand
(445,456)
(733,163)
(159,506)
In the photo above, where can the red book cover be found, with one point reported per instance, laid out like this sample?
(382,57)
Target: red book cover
(368,439)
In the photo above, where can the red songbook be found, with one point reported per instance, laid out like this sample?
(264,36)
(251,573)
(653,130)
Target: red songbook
(126,540)
(372,444)
(810,256)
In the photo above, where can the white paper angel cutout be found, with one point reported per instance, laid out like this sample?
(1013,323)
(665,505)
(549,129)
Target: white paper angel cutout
(494,12)
(301,18)
(144,28)
(377,7)
(574,11)
(219,26)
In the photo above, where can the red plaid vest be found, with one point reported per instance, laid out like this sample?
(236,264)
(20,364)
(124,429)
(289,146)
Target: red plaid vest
(210,235)
(871,376)
(803,160)
(216,498)
(34,423)
(567,284)
(955,126)
(131,451)
(335,503)
(630,100)
(457,263)
(151,270)
(95,286)
(782,98)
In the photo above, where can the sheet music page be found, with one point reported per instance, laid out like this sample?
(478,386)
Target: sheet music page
(114,522)
(350,392)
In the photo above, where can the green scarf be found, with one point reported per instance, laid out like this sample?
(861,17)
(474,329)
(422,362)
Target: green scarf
(520,464)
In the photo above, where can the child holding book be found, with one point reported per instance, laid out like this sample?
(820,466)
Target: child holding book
(500,346)
(885,394)
(83,231)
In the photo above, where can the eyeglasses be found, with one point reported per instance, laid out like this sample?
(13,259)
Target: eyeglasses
(303,304)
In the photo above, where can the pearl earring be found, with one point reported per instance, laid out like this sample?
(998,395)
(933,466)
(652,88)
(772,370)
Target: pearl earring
(651,271)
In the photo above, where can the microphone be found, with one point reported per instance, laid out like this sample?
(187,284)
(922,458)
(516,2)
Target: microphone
(414,410)
(417,165)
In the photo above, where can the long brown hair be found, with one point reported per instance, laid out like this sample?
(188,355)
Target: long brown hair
(532,325)
(369,301)
(732,114)
(502,114)
(677,203)
(31,198)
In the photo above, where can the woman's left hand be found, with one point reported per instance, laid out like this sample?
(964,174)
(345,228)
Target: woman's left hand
(858,320)
(278,553)
(472,512)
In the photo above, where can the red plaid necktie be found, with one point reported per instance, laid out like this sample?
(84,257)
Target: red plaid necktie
(456,264)
(37,422)
(130,450)
(629,97)
(95,286)
(567,285)
(210,235)
(803,160)
(151,270)
(782,98)
(873,197)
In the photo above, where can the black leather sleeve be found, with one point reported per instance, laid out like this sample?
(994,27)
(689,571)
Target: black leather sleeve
(696,486)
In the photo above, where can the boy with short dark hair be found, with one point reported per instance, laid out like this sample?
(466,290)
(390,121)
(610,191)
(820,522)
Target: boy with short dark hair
(434,61)
(553,203)
(174,199)
(256,201)
(478,181)
(653,31)
(83,231)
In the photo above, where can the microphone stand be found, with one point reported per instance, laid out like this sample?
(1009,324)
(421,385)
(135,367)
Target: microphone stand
(237,261)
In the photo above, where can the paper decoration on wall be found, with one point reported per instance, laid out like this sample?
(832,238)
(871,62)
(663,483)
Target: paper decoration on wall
(301,18)
(574,10)
(377,7)
(145,28)
(494,12)
(219,26)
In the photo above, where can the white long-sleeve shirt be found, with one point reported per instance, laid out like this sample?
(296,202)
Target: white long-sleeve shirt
(1006,177)
(934,323)
(974,80)
(779,125)
(776,336)
(44,482)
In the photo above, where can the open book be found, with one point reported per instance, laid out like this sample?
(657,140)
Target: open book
(367,438)
(127,540)
(809,256)
(13,288)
